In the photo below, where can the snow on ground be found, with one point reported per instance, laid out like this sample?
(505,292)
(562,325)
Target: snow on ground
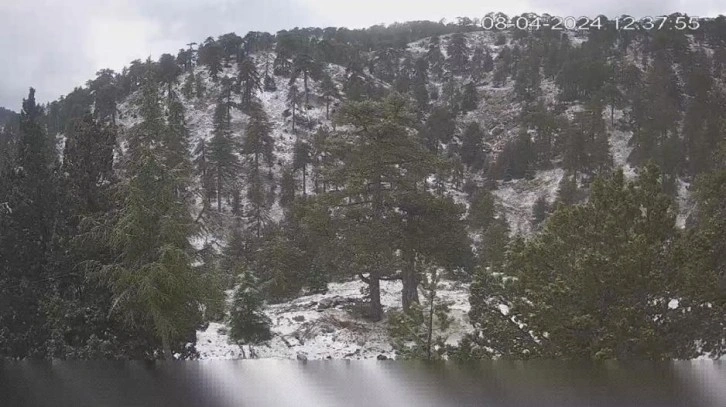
(685,203)
(324,326)
(620,151)
(620,148)
(518,197)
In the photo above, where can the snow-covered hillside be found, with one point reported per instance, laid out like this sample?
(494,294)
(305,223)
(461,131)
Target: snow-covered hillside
(325,326)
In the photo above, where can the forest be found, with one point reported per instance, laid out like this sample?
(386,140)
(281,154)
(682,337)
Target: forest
(240,172)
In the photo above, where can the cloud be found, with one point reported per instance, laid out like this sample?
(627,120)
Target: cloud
(40,49)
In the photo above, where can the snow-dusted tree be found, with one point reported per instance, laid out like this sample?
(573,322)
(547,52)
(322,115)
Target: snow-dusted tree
(248,79)
(330,92)
(306,66)
(258,149)
(293,100)
(248,321)
(154,286)
(222,162)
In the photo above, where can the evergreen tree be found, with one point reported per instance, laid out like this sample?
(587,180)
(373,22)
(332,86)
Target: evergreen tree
(494,243)
(204,171)
(304,65)
(434,57)
(432,232)
(293,100)
(595,281)
(586,146)
(26,237)
(329,92)
(458,52)
(380,159)
(472,147)
(169,71)
(702,266)
(222,162)
(527,78)
(418,333)
(106,92)
(249,324)
(249,81)
(439,128)
(189,87)
(154,286)
(210,55)
(258,148)
(517,159)
(301,158)
(420,79)
(539,211)
(470,98)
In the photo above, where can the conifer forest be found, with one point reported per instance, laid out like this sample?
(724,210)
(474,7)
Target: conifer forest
(419,190)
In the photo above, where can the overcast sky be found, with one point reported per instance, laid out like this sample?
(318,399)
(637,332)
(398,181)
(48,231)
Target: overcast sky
(55,45)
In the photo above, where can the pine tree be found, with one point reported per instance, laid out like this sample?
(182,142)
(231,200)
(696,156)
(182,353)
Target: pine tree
(418,332)
(169,71)
(249,324)
(381,158)
(258,149)
(494,242)
(249,81)
(106,92)
(293,100)
(593,267)
(527,79)
(472,147)
(586,146)
(222,162)
(211,54)
(439,128)
(458,52)
(26,237)
(470,98)
(657,112)
(702,266)
(420,79)
(434,57)
(154,286)
(330,92)
(204,172)
(189,87)
(432,232)
(539,211)
(304,65)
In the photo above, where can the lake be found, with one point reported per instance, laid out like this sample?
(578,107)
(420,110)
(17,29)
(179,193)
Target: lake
(362,383)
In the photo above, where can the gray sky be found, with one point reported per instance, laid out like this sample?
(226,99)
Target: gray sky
(55,45)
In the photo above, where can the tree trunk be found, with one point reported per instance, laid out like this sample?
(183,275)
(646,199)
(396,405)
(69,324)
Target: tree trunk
(293,118)
(430,327)
(304,185)
(305,82)
(167,348)
(376,311)
(219,192)
(410,283)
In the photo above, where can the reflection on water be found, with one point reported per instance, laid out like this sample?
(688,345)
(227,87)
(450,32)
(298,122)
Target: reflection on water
(362,383)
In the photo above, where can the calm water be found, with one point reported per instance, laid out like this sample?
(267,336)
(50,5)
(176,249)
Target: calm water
(362,383)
